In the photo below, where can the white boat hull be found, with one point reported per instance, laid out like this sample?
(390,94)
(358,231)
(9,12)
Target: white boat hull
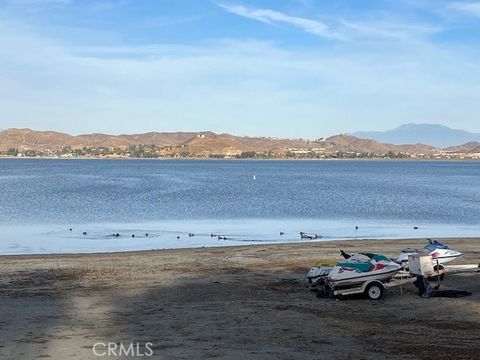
(443,255)
(360,278)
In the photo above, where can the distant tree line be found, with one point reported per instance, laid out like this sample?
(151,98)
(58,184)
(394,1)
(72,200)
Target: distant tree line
(154,151)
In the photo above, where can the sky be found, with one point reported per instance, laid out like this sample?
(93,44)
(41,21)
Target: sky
(292,68)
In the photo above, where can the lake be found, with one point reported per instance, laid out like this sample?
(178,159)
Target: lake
(41,199)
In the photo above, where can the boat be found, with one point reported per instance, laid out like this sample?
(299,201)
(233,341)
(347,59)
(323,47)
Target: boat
(353,269)
(317,274)
(370,274)
(436,249)
(366,273)
(360,268)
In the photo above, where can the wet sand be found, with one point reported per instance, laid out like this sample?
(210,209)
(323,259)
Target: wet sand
(247,302)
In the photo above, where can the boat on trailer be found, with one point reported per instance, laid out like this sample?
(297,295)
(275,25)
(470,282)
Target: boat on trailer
(441,252)
(361,273)
(370,274)
(362,267)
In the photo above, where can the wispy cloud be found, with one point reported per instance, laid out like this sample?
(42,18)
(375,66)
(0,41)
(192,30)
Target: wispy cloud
(238,85)
(470,8)
(271,17)
(185,87)
(382,29)
(340,28)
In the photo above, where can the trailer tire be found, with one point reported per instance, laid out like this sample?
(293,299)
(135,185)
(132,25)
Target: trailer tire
(374,291)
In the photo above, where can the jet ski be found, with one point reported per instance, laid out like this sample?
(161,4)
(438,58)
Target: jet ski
(318,274)
(436,249)
(354,270)
(360,268)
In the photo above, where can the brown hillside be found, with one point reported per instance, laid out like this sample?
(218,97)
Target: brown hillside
(476,149)
(27,139)
(98,140)
(211,143)
(160,139)
(467,147)
(275,145)
(225,143)
(204,143)
(352,143)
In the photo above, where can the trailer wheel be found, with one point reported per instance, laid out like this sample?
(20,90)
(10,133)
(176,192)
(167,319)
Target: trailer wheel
(374,291)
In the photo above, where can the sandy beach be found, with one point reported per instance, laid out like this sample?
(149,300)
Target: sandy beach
(247,302)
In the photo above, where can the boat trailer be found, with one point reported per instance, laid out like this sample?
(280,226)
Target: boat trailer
(374,289)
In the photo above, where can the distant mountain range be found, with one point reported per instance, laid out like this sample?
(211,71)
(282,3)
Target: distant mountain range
(197,142)
(433,134)
(208,144)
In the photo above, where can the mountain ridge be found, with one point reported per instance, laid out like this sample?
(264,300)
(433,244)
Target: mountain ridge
(208,144)
(434,134)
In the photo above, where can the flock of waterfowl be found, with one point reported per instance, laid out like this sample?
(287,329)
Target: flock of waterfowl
(303,235)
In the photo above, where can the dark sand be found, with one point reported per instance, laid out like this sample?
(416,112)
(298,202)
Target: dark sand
(227,303)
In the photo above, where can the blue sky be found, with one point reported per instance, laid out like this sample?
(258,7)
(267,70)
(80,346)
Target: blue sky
(293,68)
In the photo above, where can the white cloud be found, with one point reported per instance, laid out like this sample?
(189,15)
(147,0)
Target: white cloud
(237,86)
(343,29)
(470,8)
(271,17)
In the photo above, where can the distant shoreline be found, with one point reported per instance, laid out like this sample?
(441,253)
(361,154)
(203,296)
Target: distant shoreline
(347,243)
(207,144)
(238,159)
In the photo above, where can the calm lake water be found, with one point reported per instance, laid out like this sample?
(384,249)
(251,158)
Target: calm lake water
(41,199)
